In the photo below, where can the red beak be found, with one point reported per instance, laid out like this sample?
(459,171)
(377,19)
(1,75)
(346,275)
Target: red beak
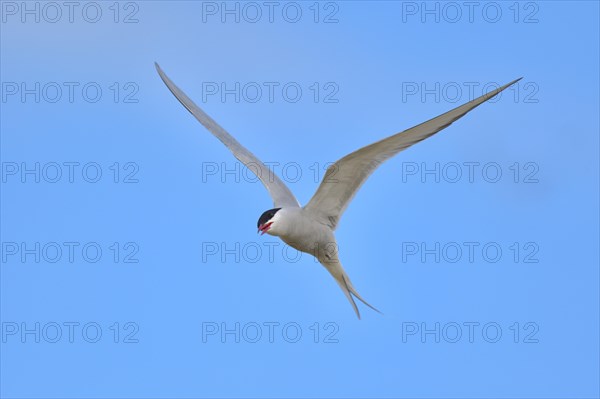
(263,228)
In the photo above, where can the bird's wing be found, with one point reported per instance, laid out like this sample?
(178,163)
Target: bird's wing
(280,193)
(343,179)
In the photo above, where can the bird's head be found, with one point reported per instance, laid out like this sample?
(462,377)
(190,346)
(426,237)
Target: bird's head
(267,221)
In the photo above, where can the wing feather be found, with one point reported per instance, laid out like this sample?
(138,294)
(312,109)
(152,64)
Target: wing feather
(343,179)
(279,192)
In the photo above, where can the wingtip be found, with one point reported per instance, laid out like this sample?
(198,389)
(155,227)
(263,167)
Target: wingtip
(514,81)
(494,93)
(162,74)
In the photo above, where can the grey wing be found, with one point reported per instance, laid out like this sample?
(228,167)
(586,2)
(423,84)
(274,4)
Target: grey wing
(343,179)
(280,193)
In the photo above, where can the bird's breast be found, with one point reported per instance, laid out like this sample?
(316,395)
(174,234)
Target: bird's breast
(307,235)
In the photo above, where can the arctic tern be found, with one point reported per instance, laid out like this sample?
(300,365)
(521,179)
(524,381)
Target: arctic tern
(310,228)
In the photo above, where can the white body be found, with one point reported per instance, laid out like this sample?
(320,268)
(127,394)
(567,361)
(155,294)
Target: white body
(298,229)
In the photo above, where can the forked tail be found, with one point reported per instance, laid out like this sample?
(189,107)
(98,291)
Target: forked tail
(337,271)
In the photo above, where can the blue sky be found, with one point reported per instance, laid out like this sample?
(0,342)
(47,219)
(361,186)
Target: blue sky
(130,261)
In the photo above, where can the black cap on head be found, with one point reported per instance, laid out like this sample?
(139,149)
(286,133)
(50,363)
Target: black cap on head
(266,216)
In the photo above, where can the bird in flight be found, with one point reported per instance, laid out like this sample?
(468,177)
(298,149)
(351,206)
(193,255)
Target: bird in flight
(310,228)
